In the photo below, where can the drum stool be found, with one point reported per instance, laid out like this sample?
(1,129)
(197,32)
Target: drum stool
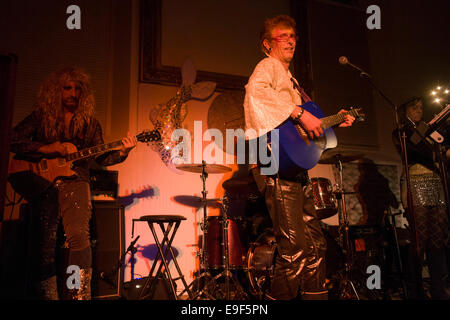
(173,222)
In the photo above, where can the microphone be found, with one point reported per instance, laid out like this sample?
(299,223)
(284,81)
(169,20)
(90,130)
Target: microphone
(344,61)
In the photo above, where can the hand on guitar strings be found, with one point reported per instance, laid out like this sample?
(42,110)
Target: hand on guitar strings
(311,124)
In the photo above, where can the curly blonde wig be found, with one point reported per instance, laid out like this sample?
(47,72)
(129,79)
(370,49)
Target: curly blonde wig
(49,102)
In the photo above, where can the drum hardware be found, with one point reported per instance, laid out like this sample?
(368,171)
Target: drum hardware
(204,169)
(390,225)
(347,288)
(210,286)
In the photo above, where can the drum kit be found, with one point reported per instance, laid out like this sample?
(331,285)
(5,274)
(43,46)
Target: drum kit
(223,251)
(221,247)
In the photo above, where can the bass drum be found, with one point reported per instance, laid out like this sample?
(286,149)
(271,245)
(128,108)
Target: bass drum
(260,263)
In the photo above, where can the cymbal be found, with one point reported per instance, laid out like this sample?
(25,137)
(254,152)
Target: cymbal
(328,158)
(209,168)
(198,202)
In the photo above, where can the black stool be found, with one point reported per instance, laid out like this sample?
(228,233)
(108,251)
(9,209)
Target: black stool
(167,240)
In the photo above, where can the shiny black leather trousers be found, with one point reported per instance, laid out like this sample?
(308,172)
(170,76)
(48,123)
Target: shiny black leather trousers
(300,263)
(68,201)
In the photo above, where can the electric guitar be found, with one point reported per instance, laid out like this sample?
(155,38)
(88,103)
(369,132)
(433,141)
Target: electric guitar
(48,170)
(297,151)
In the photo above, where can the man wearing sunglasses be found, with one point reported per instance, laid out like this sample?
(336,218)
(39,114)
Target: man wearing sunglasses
(272,96)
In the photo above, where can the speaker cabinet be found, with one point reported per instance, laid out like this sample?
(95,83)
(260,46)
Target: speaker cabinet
(16,250)
(8,66)
(108,240)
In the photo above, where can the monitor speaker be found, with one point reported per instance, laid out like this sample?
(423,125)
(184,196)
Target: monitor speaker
(160,291)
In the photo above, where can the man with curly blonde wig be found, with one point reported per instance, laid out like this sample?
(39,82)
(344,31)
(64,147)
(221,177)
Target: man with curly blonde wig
(64,113)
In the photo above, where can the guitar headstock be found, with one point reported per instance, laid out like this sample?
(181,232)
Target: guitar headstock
(358,113)
(149,136)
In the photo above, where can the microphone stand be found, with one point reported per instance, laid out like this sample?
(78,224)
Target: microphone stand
(410,210)
(106,275)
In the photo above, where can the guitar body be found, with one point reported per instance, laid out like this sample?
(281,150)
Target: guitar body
(49,169)
(298,152)
(30,179)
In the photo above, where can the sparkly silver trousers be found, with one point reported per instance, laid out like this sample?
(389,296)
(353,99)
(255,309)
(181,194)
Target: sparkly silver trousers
(432,229)
(70,202)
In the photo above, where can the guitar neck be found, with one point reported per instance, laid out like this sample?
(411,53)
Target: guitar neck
(336,119)
(92,151)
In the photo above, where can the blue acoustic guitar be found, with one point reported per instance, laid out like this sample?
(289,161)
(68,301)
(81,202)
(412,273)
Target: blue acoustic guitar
(297,151)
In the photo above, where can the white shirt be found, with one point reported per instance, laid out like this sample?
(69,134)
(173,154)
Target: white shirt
(270,96)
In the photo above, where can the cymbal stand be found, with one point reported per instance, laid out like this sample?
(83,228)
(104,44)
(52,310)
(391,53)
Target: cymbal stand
(344,240)
(203,254)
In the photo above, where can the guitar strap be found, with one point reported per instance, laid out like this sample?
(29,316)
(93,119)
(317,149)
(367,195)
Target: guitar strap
(305,97)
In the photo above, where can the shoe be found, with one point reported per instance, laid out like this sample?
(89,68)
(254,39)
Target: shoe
(84,292)
(48,289)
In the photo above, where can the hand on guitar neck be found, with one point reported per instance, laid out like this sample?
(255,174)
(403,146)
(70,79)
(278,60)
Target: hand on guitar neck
(348,119)
(313,125)
(128,143)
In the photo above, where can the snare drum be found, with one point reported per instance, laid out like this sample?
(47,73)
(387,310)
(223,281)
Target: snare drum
(321,190)
(215,243)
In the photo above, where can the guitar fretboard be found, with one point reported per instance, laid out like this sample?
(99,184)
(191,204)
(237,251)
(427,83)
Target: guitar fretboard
(333,120)
(93,151)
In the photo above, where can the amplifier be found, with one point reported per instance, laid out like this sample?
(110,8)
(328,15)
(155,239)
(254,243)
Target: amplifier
(104,184)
